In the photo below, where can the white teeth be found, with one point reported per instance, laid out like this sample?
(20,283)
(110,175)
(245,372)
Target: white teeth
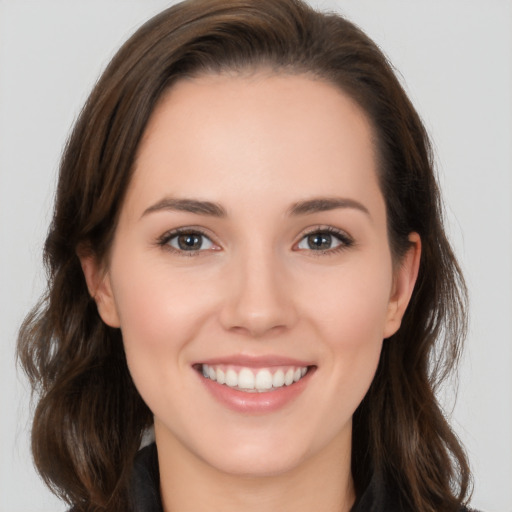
(221,377)
(251,380)
(246,379)
(278,379)
(263,380)
(231,378)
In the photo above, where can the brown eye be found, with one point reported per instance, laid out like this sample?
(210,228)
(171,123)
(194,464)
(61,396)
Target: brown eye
(319,241)
(190,242)
(325,240)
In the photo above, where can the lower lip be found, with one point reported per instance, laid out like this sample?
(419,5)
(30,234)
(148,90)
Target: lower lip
(255,403)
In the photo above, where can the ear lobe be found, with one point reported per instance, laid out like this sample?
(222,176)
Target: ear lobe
(100,288)
(403,285)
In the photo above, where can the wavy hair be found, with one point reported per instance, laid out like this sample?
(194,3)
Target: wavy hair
(89,417)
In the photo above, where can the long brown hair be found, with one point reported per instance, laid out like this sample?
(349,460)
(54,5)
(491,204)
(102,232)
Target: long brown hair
(90,418)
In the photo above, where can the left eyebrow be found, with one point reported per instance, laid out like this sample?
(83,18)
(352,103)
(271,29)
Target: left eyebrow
(322,204)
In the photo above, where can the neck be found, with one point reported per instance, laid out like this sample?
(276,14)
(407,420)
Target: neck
(322,482)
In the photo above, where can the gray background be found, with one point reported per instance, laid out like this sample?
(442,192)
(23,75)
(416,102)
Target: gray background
(456,60)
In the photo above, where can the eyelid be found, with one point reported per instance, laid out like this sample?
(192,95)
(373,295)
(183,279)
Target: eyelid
(344,238)
(346,241)
(163,240)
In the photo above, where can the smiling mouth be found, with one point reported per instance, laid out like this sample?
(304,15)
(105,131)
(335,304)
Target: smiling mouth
(254,380)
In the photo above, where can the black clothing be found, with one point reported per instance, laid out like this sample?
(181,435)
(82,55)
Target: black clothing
(146,481)
(146,489)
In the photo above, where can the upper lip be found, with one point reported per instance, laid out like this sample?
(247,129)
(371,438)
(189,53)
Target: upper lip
(255,361)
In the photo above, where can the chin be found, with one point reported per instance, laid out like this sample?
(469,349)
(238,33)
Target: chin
(257,455)
(257,465)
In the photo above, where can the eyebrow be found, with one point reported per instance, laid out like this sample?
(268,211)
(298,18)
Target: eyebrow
(323,204)
(209,208)
(187,205)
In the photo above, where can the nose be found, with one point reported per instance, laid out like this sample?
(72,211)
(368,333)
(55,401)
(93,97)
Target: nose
(259,298)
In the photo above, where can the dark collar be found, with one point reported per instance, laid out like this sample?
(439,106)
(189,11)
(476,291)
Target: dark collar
(146,481)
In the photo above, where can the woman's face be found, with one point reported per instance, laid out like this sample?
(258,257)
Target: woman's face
(250,272)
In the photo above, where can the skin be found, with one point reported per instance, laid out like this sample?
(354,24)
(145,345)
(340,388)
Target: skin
(255,145)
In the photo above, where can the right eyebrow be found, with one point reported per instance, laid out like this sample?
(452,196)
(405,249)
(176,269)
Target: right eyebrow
(187,205)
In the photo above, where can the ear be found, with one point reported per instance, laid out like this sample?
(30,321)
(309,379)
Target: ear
(99,286)
(404,279)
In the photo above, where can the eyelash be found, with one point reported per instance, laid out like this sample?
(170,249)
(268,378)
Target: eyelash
(345,240)
(164,240)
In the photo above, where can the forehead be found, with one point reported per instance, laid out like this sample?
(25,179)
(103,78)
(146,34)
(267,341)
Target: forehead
(255,134)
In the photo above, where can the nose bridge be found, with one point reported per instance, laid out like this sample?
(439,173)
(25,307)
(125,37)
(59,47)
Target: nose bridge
(260,299)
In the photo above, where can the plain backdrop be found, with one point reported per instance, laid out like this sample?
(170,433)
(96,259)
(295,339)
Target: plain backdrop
(455,59)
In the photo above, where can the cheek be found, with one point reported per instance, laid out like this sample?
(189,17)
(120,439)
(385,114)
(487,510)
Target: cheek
(160,315)
(158,305)
(351,306)
(350,315)
(162,310)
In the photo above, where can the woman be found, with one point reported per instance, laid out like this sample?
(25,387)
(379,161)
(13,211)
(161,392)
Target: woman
(247,253)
